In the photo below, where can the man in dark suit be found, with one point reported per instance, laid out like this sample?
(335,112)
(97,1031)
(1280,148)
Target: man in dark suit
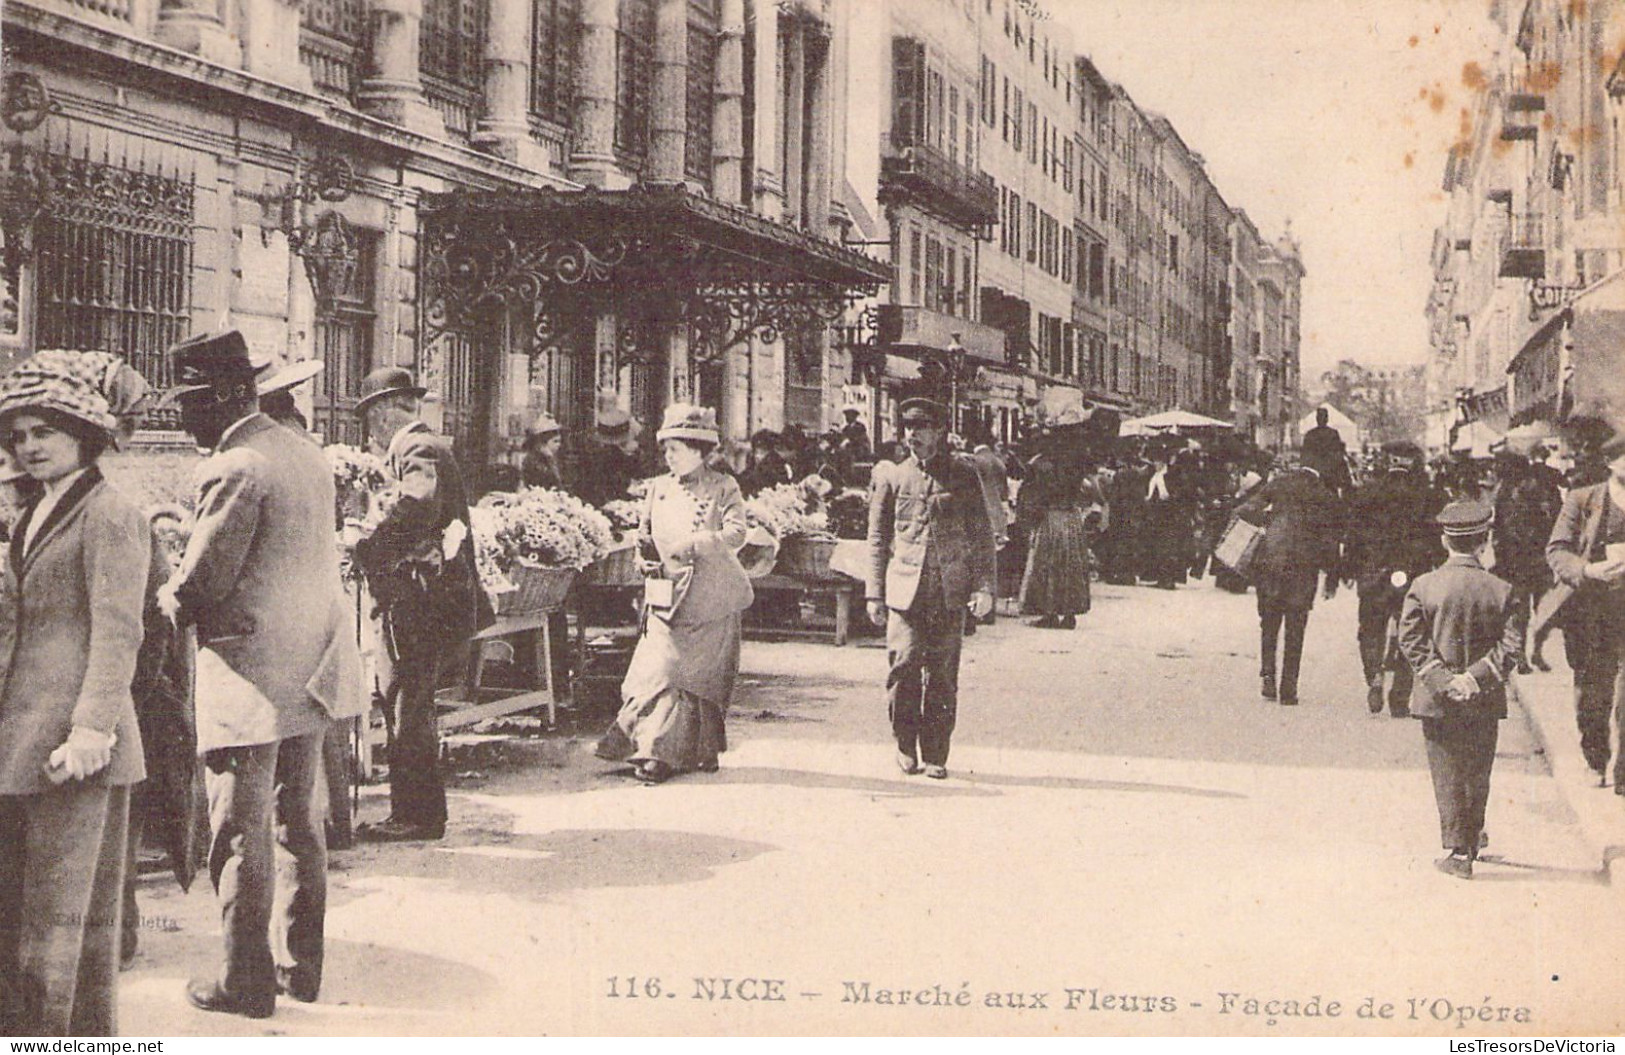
(419,564)
(1462,631)
(1392,539)
(931,555)
(277,663)
(1587,555)
(1303,522)
(1323,446)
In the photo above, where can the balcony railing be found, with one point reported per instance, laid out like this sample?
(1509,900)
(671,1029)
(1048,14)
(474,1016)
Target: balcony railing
(1523,247)
(940,185)
(122,10)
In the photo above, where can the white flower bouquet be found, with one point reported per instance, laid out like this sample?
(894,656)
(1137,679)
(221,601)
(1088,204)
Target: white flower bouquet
(787,511)
(540,528)
(358,478)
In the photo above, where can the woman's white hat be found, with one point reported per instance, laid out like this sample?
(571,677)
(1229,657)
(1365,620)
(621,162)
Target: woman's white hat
(685,421)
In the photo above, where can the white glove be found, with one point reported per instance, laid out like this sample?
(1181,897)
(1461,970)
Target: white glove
(85,753)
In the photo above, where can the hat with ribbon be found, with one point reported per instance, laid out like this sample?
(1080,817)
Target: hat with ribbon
(1466,517)
(127,393)
(545,425)
(387,381)
(290,376)
(216,364)
(685,421)
(60,381)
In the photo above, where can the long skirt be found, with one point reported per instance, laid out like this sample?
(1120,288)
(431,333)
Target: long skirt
(1057,579)
(676,695)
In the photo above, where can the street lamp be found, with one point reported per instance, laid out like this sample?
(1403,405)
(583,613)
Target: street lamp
(956,359)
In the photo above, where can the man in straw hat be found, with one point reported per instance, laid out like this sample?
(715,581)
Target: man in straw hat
(1587,554)
(419,564)
(1461,630)
(931,557)
(277,663)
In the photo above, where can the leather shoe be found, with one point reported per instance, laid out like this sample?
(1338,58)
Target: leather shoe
(709,765)
(301,990)
(1289,699)
(393,831)
(908,764)
(936,772)
(653,772)
(1373,697)
(206,994)
(1266,687)
(1458,865)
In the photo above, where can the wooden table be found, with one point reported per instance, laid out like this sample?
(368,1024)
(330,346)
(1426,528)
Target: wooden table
(842,588)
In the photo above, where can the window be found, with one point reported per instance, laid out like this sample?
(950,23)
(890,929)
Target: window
(953,125)
(1017,116)
(933,274)
(451,42)
(1066,165)
(1005,122)
(1173,253)
(970,134)
(552,56)
(634,72)
(989,93)
(914,265)
(344,342)
(1066,254)
(1032,133)
(702,76)
(1015,224)
(950,275)
(933,109)
(113,264)
(1032,233)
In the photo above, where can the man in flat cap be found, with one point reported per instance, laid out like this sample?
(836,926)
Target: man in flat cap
(1587,555)
(1392,538)
(419,563)
(1461,630)
(277,663)
(931,556)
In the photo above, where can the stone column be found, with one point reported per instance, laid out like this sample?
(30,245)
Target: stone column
(270,32)
(504,129)
(669,127)
(727,127)
(395,91)
(195,26)
(767,188)
(791,124)
(593,159)
(816,64)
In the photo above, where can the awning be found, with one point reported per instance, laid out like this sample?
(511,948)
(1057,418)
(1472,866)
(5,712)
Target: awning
(1483,406)
(661,253)
(1574,365)
(1171,421)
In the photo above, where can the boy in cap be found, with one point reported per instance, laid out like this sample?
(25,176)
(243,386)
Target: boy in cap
(1461,630)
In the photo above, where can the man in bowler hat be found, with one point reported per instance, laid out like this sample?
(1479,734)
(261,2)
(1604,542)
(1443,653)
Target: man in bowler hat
(1461,630)
(276,664)
(1586,553)
(931,556)
(419,564)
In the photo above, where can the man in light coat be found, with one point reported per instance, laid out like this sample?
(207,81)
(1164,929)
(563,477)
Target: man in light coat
(931,557)
(277,662)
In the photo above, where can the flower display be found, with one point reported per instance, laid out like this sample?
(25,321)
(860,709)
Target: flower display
(788,511)
(357,476)
(624,514)
(536,527)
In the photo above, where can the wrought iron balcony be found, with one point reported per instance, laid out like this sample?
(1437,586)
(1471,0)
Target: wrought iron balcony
(1523,247)
(935,183)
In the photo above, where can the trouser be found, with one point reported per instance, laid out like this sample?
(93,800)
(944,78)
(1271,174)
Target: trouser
(268,862)
(338,778)
(1379,608)
(1594,638)
(1272,615)
(922,687)
(62,856)
(417,792)
(1461,752)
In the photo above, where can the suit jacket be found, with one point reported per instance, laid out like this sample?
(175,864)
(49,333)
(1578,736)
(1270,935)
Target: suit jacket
(260,579)
(928,517)
(1391,528)
(72,627)
(1577,538)
(995,489)
(697,529)
(1302,520)
(405,559)
(1461,619)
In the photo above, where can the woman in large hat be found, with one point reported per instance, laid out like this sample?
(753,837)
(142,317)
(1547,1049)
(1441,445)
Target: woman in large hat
(1055,587)
(677,689)
(70,745)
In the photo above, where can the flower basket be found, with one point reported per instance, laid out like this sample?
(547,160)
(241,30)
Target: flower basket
(534,590)
(618,567)
(806,558)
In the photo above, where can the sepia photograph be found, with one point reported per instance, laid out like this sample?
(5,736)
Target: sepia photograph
(901,518)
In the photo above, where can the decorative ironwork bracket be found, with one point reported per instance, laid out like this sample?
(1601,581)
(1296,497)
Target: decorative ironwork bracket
(328,246)
(26,102)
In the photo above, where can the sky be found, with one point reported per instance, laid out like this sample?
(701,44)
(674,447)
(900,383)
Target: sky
(1335,115)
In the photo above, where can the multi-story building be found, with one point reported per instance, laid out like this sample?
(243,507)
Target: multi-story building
(1096,238)
(1245,335)
(1526,258)
(537,204)
(1280,292)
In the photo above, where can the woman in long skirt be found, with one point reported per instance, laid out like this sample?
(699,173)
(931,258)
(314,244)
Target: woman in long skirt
(1056,585)
(676,691)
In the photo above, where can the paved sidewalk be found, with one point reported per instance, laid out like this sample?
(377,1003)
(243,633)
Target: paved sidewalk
(1547,701)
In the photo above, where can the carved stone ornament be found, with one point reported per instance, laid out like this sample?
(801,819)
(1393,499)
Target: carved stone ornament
(26,104)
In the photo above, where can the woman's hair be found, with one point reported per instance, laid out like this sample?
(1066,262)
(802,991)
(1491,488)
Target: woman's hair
(705,447)
(92,439)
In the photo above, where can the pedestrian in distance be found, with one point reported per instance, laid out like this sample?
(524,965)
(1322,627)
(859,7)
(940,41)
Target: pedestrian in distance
(931,556)
(70,743)
(1586,553)
(539,463)
(1303,523)
(419,564)
(1461,630)
(676,691)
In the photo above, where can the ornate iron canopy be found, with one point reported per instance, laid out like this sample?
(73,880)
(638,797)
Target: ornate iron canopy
(655,254)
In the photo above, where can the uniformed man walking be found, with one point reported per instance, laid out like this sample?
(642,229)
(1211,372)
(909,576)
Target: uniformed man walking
(1462,633)
(931,556)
